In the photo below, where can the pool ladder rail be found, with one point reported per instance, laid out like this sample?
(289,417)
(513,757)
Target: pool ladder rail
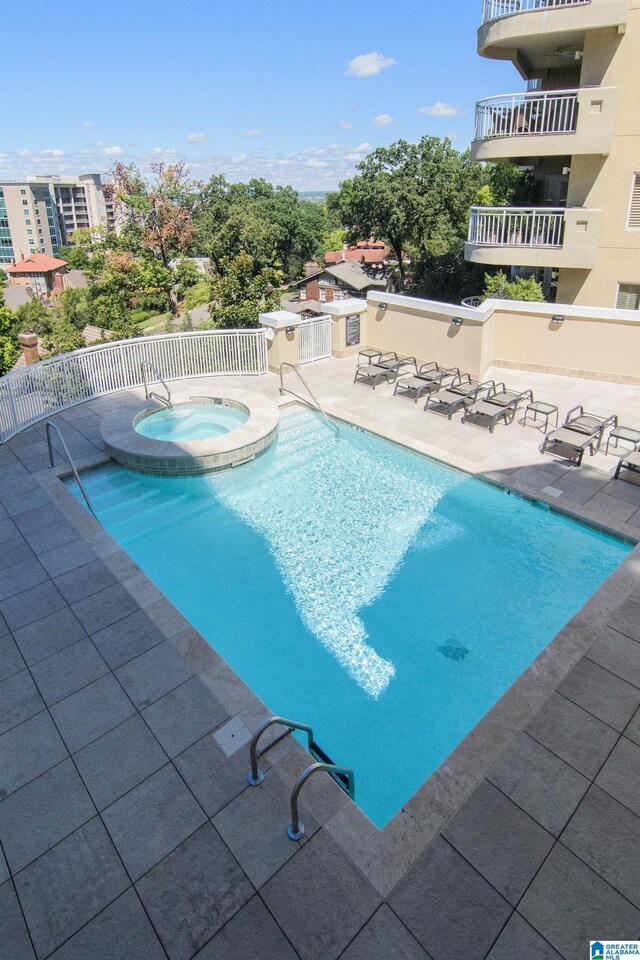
(316,403)
(50,425)
(151,394)
(344,776)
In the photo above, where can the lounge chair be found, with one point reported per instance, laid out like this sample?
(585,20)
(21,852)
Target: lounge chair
(428,378)
(580,431)
(459,393)
(498,404)
(386,367)
(630,461)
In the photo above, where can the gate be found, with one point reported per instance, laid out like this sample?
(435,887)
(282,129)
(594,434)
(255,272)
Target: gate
(314,339)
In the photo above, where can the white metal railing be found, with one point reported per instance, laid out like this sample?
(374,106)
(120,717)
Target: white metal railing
(517,226)
(496,9)
(45,388)
(314,339)
(472,302)
(527,114)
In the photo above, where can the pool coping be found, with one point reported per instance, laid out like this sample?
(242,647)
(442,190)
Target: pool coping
(384,856)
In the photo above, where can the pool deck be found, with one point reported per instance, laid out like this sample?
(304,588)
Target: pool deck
(128,830)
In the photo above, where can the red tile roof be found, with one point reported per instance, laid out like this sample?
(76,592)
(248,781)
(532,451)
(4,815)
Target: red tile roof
(37,263)
(365,251)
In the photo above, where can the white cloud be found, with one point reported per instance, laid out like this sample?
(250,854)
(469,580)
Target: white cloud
(353,157)
(88,125)
(253,133)
(440,109)
(368,65)
(363,147)
(239,158)
(163,151)
(24,153)
(345,124)
(197,137)
(315,163)
(113,151)
(382,120)
(334,146)
(52,153)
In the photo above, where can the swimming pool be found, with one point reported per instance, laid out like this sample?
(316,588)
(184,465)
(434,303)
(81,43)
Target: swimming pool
(191,421)
(383,598)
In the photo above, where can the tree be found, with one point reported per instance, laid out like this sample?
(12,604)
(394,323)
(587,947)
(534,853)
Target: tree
(63,336)
(9,349)
(33,317)
(507,185)
(239,295)
(76,307)
(78,254)
(498,287)
(3,279)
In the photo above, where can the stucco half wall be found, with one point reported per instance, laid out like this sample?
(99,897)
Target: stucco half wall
(588,342)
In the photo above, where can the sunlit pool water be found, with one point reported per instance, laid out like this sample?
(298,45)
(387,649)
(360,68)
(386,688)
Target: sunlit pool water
(191,421)
(383,598)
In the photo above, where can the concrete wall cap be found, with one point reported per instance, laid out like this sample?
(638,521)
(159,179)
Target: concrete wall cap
(278,319)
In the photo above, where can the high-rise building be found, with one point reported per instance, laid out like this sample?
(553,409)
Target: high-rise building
(39,214)
(577,128)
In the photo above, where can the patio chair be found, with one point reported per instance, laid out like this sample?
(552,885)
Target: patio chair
(498,404)
(630,461)
(580,431)
(459,393)
(428,378)
(386,367)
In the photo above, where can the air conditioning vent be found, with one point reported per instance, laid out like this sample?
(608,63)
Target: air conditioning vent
(634,208)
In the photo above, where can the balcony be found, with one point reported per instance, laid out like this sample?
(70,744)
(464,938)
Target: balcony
(545,124)
(544,34)
(533,236)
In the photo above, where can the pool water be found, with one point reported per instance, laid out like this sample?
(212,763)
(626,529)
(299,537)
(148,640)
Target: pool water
(191,421)
(383,598)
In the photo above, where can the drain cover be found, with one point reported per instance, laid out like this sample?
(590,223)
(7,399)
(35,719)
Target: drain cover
(453,649)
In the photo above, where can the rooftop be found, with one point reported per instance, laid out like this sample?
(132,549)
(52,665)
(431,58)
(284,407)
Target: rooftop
(36,263)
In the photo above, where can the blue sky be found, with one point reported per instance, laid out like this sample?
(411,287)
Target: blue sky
(291,90)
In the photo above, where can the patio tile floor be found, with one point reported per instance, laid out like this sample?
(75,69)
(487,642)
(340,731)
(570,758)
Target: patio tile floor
(110,772)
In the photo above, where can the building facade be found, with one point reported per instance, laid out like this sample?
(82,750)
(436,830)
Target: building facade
(39,214)
(577,128)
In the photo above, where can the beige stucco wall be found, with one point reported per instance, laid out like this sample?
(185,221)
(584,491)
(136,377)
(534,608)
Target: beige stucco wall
(603,347)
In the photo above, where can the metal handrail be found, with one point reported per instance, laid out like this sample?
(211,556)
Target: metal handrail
(151,393)
(255,776)
(295,829)
(52,426)
(316,402)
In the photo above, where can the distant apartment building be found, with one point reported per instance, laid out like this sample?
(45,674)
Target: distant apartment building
(39,215)
(577,128)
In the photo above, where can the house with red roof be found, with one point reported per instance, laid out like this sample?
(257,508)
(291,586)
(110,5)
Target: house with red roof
(44,274)
(370,253)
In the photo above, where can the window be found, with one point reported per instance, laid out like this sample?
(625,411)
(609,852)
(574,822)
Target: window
(25,203)
(323,293)
(28,222)
(30,232)
(23,192)
(628,296)
(634,206)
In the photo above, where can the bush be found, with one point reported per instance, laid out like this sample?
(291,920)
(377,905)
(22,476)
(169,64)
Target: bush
(498,287)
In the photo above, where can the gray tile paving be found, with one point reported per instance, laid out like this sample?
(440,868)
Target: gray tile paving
(14,937)
(568,904)
(84,581)
(546,787)
(384,938)
(67,557)
(91,711)
(152,819)
(602,832)
(184,715)
(15,551)
(626,620)
(118,761)
(448,907)
(4,869)
(193,892)
(332,899)
(67,886)
(519,941)
(46,636)
(213,779)
(154,673)
(43,812)
(620,775)
(68,670)
(601,693)
(573,734)
(28,750)
(497,838)
(121,932)
(618,654)
(43,539)
(19,576)
(19,700)
(25,608)
(633,729)
(252,932)
(126,639)
(98,610)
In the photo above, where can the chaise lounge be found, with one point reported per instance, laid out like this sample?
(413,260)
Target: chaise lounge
(386,367)
(631,461)
(461,392)
(498,404)
(580,431)
(428,378)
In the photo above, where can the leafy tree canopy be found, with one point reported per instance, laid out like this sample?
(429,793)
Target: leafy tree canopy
(499,287)
(239,294)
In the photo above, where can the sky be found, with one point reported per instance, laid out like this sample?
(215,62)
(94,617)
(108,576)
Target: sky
(295,91)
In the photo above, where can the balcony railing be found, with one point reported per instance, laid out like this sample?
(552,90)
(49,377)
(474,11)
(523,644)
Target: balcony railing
(496,9)
(527,114)
(517,226)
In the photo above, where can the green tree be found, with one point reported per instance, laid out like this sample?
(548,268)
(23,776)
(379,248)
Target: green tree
(9,348)
(507,185)
(499,287)
(240,294)
(63,336)
(76,307)
(198,295)
(3,279)
(33,317)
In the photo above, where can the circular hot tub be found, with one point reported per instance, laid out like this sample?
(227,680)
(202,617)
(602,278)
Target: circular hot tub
(195,435)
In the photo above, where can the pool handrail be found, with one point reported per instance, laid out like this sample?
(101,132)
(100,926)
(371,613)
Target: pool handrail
(52,426)
(295,829)
(151,394)
(256,776)
(316,402)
